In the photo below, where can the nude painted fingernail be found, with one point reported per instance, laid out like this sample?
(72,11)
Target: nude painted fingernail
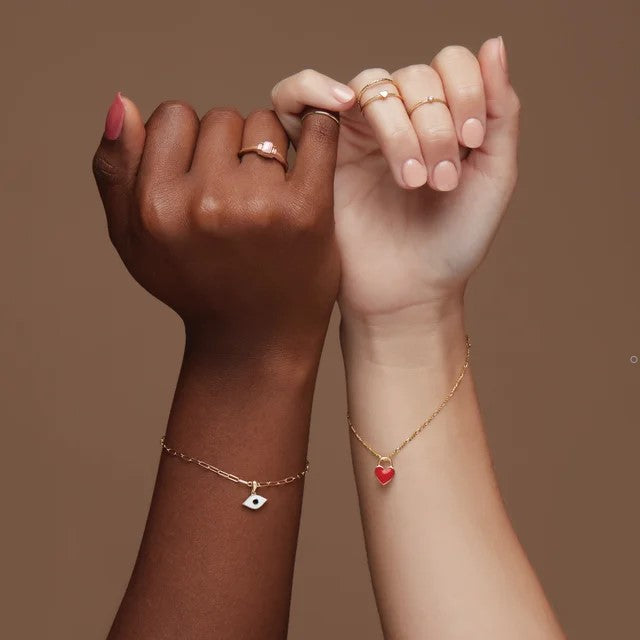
(115,118)
(472,133)
(414,173)
(343,93)
(503,55)
(445,176)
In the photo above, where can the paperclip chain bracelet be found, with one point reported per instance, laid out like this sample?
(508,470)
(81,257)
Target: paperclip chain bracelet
(254,501)
(385,471)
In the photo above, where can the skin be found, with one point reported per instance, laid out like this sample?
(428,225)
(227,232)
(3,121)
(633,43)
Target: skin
(445,561)
(245,253)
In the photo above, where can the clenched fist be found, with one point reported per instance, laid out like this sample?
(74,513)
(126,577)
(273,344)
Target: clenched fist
(239,246)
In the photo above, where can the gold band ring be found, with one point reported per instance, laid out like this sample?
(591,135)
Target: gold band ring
(321,112)
(373,83)
(266,150)
(381,95)
(427,100)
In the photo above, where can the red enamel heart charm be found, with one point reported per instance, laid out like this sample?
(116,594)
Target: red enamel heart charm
(384,474)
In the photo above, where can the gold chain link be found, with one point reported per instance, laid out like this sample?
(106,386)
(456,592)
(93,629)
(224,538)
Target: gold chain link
(231,476)
(426,423)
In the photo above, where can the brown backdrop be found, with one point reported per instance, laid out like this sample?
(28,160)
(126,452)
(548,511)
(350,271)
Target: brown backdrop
(88,360)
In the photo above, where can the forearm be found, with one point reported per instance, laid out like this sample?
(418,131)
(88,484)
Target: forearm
(444,559)
(208,566)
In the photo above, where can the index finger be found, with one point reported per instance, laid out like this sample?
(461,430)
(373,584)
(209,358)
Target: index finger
(383,108)
(291,95)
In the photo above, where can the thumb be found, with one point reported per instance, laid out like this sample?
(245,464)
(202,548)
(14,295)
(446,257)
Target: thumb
(115,163)
(317,152)
(498,153)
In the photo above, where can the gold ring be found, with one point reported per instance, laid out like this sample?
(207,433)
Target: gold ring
(381,95)
(427,100)
(373,83)
(321,112)
(266,150)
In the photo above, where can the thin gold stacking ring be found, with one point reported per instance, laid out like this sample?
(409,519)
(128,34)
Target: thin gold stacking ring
(381,95)
(427,100)
(373,83)
(321,112)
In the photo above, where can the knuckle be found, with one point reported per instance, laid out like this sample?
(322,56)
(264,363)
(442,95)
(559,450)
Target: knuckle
(373,72)
(275,92)
(262,116)
(260,209)
(175,106)
(454,53)
(104,170)
(415,72)
(516,104)
(307,78)
(156,210)
(306,223)
(303,219)
(438,133)
(222,115)
(401,134)
(469,93)
(304,213)
(368,75)
(171,111)
(205,211)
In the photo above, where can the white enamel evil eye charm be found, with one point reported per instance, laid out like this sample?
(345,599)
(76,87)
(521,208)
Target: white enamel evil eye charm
(254,501)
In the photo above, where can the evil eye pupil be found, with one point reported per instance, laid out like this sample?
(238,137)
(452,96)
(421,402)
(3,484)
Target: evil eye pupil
(254,501)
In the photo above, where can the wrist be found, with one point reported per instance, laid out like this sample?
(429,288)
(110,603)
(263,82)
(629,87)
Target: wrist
(262,355)
(411,338)
(395,380)
(229,399)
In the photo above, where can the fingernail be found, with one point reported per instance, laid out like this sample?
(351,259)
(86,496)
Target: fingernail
(343,93)
(414,173)
(503,55)
(115,118)
(445,176)
(472,133)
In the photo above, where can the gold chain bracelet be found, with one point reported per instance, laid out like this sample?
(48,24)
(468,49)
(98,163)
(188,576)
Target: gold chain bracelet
(254,501)
(386,473)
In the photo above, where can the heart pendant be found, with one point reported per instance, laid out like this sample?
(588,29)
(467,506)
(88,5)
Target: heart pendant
(384,474)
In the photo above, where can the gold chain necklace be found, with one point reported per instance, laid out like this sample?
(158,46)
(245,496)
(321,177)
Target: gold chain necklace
(386,473)
(254,501)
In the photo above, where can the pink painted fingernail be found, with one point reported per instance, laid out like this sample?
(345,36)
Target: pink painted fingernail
(115,118)
(472,133)
(445,176)
(414,173)
(343,93)
(503,55)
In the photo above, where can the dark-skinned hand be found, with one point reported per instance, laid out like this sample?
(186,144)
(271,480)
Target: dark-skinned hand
(241,249)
